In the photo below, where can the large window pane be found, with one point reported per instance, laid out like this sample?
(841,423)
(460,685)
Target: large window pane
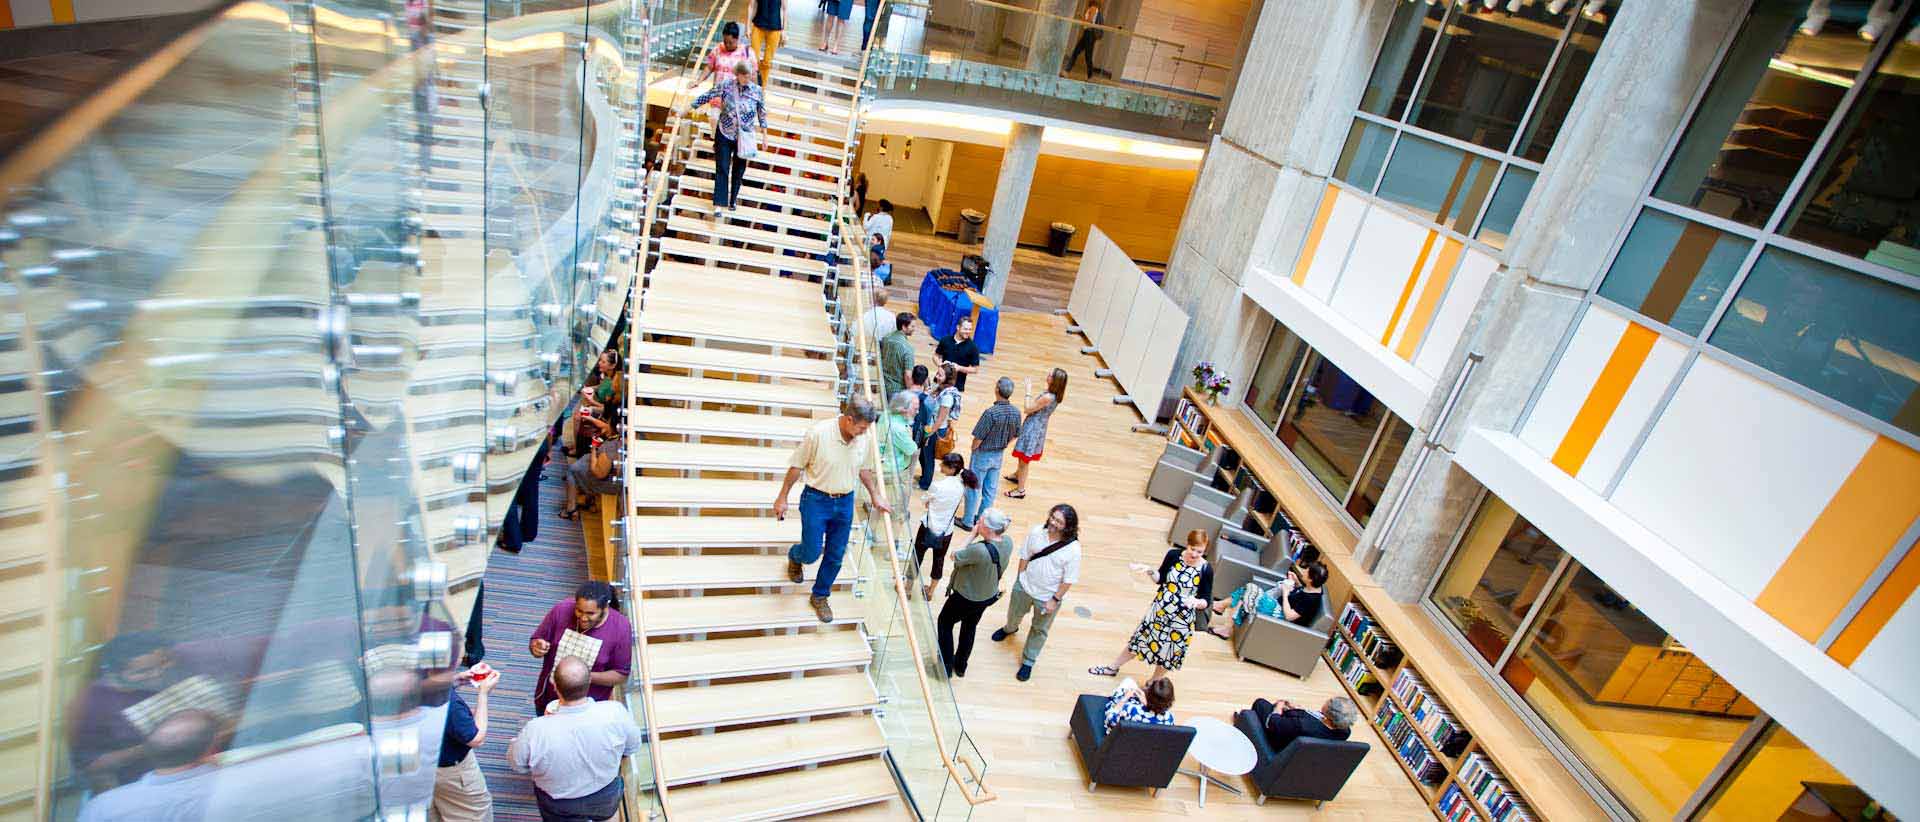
(1484,71)
(1674,270)
(1499,571)
(1365,150)
(1773,95)
(1849,336)
(1649,717)
(1563,85)
(1330,423)
(1409,37)
(1861,198)
(1274,374)
(1785,779)
(1515,185)
(1373,483)
(1440,182)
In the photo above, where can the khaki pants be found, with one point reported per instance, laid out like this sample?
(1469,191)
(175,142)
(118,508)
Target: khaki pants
(460,793)
(1018,604)
(765,43)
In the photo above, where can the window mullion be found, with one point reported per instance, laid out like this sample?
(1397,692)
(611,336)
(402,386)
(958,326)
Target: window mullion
(1426,63)
(1540,88)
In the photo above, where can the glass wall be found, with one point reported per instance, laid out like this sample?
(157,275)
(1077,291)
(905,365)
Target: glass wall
(1782,234)
(1347,439)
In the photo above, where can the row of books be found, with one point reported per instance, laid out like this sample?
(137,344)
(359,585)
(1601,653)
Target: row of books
(1367,636)
(1404,738)
(1453,805)
(1347,663)
(1191,418)
(1482,780)
(1434,721)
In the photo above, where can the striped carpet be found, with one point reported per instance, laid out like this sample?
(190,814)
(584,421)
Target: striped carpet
(519,590)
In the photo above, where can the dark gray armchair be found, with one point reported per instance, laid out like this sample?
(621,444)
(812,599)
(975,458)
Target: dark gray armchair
(1133,754)
(1209,510)
(1308,768)
(1178,468)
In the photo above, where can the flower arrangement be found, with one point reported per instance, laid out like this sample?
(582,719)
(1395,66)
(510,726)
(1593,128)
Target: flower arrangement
(1210,382)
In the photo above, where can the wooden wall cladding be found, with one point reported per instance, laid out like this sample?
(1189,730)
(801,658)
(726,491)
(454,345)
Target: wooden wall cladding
(1138,207)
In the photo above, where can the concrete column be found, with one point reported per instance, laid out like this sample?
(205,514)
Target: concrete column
(1051,37)
(1010,204)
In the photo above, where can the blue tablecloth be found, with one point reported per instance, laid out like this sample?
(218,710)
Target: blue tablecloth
(941,309)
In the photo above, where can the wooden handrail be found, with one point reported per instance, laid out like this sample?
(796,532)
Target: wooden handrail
(975,792)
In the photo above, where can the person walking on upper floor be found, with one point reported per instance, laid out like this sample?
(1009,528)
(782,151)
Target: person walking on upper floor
(1089,36)
(996,429)
(832,455)
(960,349)
(769,23)
(743,116)
(1033,428)
(588,613)
(943,500)
(1284,722)
(896,355)
(974,587)
(1184,586)
(1049,565)
(946,412)
(459,788)
(574,752)
(866,24)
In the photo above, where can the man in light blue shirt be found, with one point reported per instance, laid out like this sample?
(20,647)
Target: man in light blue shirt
(574,752)
(181,748)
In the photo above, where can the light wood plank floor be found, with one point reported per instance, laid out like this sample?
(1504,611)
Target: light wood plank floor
(1093,462)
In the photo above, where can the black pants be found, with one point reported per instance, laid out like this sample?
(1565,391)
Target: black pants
(728,171)
(924,540)
(966,614)
(1084,46)
(927,463)
(601,804)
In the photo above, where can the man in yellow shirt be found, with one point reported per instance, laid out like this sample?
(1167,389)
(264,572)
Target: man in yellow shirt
(832,454)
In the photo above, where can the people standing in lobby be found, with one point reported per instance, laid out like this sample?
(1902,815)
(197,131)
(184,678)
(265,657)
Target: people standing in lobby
(946,410)
(588,613)
(1088,37)
(769,22)
(1049,566)
(1285,721)
(974,587)
(459,788)
(960,349)
(1033,428)
(996,429)
(896,354)
(1185,581)
(943,501)
(742,112)
(574,753)
(832,455)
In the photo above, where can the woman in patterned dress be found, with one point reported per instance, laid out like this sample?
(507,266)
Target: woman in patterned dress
(1186,585)
(1033,429)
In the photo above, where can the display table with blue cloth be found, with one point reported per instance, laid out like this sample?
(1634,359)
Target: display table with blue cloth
(941,308)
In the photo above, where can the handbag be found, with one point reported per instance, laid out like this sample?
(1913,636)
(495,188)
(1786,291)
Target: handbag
(945,443)
(747,145)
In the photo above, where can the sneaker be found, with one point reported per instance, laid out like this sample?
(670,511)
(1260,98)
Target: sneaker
(821,609)
(795,572)
(1000,634)
(1025,673)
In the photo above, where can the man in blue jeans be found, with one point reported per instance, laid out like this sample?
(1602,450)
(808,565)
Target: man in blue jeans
(996,429)
(832,454)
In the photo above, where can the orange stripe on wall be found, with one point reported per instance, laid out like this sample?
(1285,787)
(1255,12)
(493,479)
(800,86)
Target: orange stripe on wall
(1873,616)
(1406,291)
(6,14)
(1314,234)
(1861,523)
(1429,298)
(62,10)
(1628,355)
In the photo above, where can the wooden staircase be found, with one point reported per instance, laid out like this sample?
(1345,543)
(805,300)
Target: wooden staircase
(759,711)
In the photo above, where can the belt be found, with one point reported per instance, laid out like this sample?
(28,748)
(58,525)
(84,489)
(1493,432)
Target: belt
(827,495)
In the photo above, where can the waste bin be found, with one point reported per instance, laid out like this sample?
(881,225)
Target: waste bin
(970,222)
(1057,239)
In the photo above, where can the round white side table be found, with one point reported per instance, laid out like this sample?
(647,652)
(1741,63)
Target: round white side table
(1220,748)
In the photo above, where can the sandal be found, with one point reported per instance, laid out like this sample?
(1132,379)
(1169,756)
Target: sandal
(1104,670)
(569,513)
(1017,493)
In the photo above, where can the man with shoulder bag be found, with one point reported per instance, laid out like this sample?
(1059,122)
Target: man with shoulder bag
(1049,565)
(973,587)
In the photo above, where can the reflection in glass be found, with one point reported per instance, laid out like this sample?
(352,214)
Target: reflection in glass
(1365,149)
(1484,71)
(1785,779)
(1330,423)
(1409,38)
(1849,336)
(1563,85)
(1861,199)
(1504,210)
(1776,89)
(1379,468)
(1645,714)
(1439,182)
(1273,375)
(1674,270)
(1496,575)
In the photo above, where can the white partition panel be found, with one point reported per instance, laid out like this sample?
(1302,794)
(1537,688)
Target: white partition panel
(1084,285)
(1134,324)
(1100,293)
(1156,368)
(1113,325)
(1137,330)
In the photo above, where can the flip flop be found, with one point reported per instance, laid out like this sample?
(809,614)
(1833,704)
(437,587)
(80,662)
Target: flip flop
(1103,670)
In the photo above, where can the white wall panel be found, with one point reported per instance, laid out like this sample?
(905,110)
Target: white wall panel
(1891,662)
(1636,407)
(1736,470)
(1085,279)
(1342,225)
(1376,272)
(1392,380)
(1450,320)
(1572,379)
(1101,294)
(1156,367)
(1136,331)
(1113,322)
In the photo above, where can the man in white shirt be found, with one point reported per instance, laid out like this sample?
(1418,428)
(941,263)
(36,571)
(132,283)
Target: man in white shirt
(1049,565)
(878,321)
(879,227)
(574,752)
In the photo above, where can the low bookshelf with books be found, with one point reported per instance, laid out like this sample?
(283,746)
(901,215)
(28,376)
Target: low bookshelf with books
(1439,753)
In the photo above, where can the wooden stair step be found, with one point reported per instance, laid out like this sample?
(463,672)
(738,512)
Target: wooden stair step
(704,456)
(667,616)
(892,810)
(792,222)
(661,419)
(756,655)
(717,322)
(681,247)
(822,102)
(793,163)
(683,492)
(806,128)
(717,706)
(742,233)
(712,532)
(783,60)
(817,207)
(740,392)
(709,358)
(772,177)
(694,572)
(753,750)
(831,154)
(756,291)
(790,794)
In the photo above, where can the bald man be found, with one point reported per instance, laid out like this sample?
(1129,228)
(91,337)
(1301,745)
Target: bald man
(181,748)
(574,751)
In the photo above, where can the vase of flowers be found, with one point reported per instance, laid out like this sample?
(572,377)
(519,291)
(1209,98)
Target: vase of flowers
(1210,382)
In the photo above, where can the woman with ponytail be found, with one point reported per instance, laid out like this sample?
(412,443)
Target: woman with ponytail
(944,499)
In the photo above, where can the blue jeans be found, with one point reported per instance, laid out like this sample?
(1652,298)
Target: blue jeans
(825,522)
(866,23)
(986,466)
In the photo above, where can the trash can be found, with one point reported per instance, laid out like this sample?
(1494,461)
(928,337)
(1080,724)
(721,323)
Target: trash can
(970,222)
(1057,239)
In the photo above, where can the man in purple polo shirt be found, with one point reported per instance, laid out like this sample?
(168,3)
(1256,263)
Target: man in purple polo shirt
(589,612)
